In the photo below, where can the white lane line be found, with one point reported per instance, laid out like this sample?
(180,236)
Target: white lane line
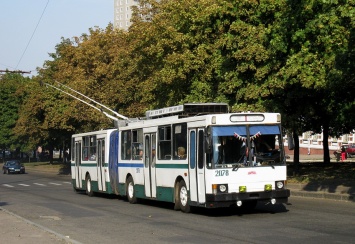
(67,182)
(39,184)
(7,185)
(56,184)
(23,185)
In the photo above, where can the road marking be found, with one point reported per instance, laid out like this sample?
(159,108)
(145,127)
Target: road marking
(23,185)
(67,182)
(56,184)
(38,184)
(7,185)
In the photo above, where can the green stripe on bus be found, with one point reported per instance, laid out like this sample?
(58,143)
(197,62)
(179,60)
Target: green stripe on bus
(94,186)
(90,165)
(165,194)
(171,166)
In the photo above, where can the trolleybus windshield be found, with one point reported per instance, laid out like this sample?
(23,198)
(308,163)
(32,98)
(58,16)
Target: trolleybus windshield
(231,145)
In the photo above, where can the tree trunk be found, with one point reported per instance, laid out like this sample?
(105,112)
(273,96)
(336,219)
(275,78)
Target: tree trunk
(50,154)
(326,156)
(296,154)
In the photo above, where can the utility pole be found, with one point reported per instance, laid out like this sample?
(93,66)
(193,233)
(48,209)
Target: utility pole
(15,71)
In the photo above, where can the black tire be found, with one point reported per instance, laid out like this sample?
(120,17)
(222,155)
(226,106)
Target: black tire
(183,198)
(8,171)
(89,191)
(131,196)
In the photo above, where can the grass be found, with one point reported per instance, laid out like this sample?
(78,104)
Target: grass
(336,173)
(56,166)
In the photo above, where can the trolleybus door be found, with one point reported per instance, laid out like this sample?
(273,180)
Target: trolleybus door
(197,166)
(149,165)
(192,165)
(78,181)
(101,174)
(201,166)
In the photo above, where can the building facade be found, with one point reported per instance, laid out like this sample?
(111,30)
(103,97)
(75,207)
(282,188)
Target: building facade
(123,13)
(311,143)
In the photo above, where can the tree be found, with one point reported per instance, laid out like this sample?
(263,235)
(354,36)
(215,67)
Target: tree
(308,38)
(203,51)
(11,96)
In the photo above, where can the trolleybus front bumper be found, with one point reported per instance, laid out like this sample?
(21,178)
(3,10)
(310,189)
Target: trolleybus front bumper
(230,199)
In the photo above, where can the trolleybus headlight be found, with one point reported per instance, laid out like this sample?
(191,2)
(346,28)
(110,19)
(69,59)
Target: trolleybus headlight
(242,189)
(279,184)
(222,188)
(268,187)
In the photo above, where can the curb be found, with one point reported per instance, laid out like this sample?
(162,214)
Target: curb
(338,193)
(330,196)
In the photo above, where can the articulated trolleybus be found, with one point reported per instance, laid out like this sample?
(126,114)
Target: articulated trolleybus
(191,155)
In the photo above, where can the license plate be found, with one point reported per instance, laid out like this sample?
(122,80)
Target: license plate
(17,170)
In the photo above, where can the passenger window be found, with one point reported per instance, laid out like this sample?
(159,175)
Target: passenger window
(126,142)
(180,141)
(164,143)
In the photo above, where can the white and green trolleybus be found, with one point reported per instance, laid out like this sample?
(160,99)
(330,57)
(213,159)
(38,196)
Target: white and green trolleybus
(191,155)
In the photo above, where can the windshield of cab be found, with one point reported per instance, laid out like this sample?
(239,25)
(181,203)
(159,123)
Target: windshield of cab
(252,145)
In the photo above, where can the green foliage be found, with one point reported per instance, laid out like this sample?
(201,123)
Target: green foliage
(12,87)
(294,57)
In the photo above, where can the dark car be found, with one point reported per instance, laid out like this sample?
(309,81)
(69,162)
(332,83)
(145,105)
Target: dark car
(13,166)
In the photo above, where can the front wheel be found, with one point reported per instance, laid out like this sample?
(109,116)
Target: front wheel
(89,191)
(183,197)
(131,196)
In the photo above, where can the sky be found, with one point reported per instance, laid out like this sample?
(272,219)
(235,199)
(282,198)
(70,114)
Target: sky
(31,29)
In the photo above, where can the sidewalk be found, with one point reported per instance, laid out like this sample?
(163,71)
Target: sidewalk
(15,229)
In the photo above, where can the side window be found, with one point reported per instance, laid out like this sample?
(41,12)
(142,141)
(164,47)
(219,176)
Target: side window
(164,143)
(200,149)
(72,150)
(137,144)
(89,148)
(103,152)
(180,141)
(126,142)
(192,149)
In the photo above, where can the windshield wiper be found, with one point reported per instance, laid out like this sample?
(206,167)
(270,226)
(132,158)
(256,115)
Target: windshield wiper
(236,167)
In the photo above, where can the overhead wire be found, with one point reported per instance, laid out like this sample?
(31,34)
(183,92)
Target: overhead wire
(33,33)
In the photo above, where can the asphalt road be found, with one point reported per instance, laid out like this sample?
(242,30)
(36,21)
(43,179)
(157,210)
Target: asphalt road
(50,202)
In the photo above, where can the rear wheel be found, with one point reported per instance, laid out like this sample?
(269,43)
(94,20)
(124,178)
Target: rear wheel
(183,197)
(89,191)
(131,196)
